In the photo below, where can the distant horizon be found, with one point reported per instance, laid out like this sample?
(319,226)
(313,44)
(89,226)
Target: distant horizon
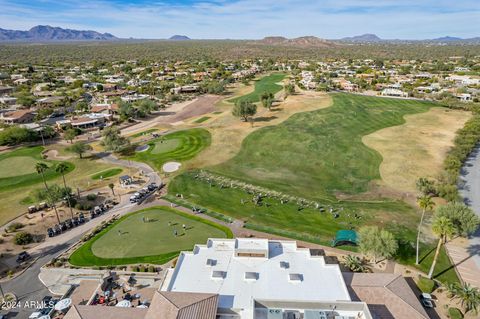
(250,19)
(239,39)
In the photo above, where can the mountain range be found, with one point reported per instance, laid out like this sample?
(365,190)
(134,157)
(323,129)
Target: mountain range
(179,38)
(373,38)
(48,33)
(307,41)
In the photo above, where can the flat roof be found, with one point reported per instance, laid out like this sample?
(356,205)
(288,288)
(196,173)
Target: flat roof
(289,273)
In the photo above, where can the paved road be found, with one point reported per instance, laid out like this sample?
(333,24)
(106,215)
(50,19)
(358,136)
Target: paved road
(27,286)
(470,191)
(153,177)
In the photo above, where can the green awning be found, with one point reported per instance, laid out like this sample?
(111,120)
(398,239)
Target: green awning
(345,237)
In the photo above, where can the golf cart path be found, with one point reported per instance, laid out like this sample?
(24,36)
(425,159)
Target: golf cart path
(466,253)
(146,170)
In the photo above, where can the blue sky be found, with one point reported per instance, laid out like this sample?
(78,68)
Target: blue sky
(250,19)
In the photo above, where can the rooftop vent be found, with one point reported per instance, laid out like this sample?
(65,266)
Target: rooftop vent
(218,274)
(295,277)
(249,275)
(284,264)
(211,262)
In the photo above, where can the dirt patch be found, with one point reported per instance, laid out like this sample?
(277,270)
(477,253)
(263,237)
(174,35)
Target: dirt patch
(177,113)
(416,148)
(228,131)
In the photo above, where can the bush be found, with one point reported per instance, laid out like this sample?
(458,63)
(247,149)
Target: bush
(91,197)
(426,285)
(135,269)
(151,269)
(23,238)
(141,268)
(83,206)
(13,227)
(455,313)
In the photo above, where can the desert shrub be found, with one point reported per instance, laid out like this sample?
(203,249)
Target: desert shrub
(13,227)
(23,238)
(91,197)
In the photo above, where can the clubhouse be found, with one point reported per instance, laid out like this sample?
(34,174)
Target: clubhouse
(247,278)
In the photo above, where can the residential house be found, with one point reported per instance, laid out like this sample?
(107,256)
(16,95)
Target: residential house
(17,117)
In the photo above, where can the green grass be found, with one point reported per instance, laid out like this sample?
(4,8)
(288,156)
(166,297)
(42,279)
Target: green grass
(191,142)
(151,242)
(317,154)
(444,270)
(107,173)
(281,218)
(164,146)
(17,168)
(266,84)
(455,313)
(144,132)
(202,119)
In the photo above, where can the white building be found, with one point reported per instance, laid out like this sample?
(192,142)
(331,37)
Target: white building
(260,279)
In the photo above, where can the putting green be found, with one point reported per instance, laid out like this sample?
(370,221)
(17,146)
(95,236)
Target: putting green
(177,147)
(164,146)
(17,165)
(17,168)
(147,236)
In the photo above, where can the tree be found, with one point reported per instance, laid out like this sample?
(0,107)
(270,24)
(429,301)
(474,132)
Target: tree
(41,167)
(62,168)
(426,186)
(113,140)
(425,202)
(464,220)
(112,186)
(267,100)
(443,228)
(377,242)
(126,111)
(79,148)
(52,195)
(70,135)
(147,106)
(244,109)
(289,89)
(81,106)
(469,297)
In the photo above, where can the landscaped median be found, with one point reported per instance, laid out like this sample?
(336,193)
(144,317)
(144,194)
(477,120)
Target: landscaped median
(154,235)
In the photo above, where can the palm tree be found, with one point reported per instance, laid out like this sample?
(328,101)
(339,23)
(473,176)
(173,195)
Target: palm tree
(469,297)
(41,167)
(443,228)
(62,168)
(111,185)
(425,202)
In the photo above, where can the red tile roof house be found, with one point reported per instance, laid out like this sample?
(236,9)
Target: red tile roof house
(17,117)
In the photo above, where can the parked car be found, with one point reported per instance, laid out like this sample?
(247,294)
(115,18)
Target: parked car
(58,229)
(23,256)
(426,300)
(50,232)
(69,223)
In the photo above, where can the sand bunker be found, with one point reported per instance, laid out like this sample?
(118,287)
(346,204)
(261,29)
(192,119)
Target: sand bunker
(171,167)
